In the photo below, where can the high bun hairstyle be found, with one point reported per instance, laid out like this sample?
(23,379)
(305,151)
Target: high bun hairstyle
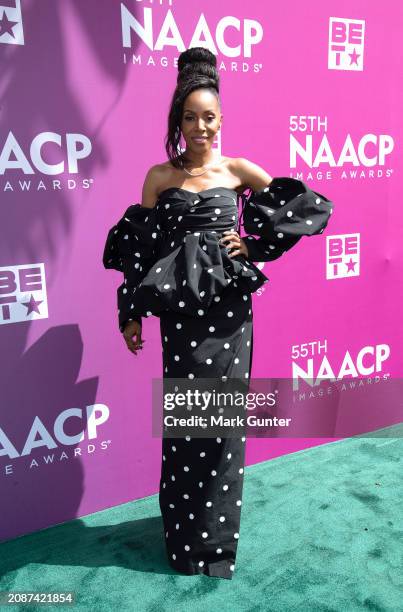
(197,67)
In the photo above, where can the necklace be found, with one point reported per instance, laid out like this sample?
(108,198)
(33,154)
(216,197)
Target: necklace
(204,171)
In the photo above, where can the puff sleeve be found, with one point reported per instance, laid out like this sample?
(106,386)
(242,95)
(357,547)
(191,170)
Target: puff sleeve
(280,214)
(131,247)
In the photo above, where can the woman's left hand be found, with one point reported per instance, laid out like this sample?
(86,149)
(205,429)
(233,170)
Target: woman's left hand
(232,240)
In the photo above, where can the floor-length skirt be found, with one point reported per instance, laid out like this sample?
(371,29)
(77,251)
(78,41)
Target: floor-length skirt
(201,484)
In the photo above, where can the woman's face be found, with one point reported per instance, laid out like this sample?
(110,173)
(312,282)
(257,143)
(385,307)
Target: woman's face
(201,118)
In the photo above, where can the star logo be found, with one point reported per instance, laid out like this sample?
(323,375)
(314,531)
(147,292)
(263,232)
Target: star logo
(6,26)
(32,305)
(354,57)
(350,265)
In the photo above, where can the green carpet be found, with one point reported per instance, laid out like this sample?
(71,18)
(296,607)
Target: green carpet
(322,529)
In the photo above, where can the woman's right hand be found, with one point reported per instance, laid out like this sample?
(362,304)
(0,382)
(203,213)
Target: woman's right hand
(133,328)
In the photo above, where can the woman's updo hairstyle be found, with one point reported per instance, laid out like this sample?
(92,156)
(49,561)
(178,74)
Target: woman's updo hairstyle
(197,67)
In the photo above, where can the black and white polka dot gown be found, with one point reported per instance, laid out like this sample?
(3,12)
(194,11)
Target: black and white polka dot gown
(202,478)
(175,268)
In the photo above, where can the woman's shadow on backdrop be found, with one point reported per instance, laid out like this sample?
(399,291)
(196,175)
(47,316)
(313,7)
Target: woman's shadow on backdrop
(42,381)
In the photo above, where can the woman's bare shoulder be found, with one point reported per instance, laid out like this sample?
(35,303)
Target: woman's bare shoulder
(160,168)
(155,177)
(251,175)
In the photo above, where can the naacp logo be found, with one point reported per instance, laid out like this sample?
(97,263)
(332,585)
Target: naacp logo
(346,44)
(23,293)
(342,256)
(11,31)
(312,363)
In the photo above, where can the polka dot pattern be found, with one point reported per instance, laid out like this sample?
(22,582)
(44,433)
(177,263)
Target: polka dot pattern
(207,495)
(174,265)
(148,245)
(277,217)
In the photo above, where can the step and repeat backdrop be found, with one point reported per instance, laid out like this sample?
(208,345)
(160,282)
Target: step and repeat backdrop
(312,93)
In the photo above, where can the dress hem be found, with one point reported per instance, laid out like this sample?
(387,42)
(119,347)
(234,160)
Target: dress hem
(219,569)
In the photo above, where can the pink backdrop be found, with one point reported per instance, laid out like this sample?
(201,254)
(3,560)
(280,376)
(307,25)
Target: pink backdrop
(85,91)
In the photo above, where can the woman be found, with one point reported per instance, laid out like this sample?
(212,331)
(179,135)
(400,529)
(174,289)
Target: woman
(184,261)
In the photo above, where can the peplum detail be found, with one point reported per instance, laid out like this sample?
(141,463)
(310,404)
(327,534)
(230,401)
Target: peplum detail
(171,256)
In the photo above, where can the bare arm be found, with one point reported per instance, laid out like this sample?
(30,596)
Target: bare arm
(251,175)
